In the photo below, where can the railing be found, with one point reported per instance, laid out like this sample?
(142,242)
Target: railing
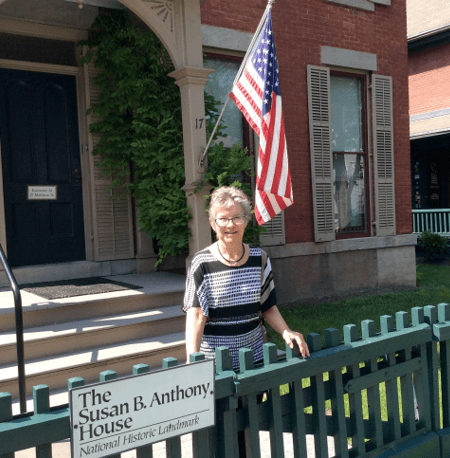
(361,394)
(19,329)
(434,220)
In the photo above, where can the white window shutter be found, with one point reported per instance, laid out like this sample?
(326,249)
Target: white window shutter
(112,218)
(275,234)
(319,107)
(383,134)
(275,231)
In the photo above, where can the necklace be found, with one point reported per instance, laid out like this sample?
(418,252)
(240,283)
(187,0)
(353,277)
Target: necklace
(231,261)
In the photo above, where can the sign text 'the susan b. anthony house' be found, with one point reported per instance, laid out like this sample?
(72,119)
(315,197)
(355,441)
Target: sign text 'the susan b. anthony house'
(119,415)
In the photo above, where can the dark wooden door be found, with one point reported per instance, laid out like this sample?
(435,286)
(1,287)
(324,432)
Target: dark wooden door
(41,168)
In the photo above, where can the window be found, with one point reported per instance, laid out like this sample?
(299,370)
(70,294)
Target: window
(219,85)
(348,142)
(339,144)
(238,130)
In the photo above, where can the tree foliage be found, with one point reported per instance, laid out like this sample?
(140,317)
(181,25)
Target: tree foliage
(139,112)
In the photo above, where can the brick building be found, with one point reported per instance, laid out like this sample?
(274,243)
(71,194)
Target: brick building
(343,73)
(350,225)
(429,100)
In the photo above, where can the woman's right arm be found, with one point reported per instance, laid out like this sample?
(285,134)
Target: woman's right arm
(195,325)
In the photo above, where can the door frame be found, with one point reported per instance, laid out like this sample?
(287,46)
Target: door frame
(82,135)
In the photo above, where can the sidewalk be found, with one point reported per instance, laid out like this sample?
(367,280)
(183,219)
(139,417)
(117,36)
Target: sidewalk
(62,449)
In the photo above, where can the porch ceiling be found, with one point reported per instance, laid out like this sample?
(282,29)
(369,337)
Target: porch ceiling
(427,16)
(165,18)
(49,12)
(430,127)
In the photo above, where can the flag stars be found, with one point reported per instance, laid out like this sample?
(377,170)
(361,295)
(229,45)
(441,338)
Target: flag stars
(264,62)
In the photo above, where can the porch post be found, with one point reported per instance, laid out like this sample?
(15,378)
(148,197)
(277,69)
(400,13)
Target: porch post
(192,81)
(191,77)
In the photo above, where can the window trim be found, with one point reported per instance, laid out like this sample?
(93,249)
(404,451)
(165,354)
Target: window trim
(366,152)
(361,4)
(367,5)
(353,60)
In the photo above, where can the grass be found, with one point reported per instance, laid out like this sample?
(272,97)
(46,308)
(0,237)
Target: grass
(433,287)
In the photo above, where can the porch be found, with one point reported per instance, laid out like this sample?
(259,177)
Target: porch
(86,334)
(436,220)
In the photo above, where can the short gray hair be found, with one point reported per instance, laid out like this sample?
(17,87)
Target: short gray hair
(227,196)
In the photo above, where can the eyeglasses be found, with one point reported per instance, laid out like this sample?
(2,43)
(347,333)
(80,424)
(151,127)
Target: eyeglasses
(238,220)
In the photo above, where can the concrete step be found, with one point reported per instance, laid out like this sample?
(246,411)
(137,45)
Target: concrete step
(159,289)
(67,270)
(60,338)
(88,363)
(85,335)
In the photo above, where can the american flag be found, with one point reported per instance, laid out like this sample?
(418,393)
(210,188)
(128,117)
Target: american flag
(257,94)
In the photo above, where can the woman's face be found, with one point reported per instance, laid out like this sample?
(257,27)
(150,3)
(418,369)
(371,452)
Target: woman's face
(231,232)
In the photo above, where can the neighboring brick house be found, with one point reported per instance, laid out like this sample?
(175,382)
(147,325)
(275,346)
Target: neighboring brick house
(343,72)
(343,67)
(429,102)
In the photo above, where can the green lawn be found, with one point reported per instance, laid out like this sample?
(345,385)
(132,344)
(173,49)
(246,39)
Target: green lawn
(433,287)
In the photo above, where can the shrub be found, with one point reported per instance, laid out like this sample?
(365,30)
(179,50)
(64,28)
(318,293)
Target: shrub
(434,244)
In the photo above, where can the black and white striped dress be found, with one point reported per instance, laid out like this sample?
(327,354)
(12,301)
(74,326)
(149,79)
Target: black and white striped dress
(231,298)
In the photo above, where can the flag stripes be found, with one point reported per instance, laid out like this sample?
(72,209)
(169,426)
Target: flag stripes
(257,95)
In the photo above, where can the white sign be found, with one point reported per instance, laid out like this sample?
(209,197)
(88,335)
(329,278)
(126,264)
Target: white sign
(120,415)
(41,192)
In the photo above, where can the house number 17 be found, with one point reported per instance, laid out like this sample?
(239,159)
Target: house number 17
(199,123)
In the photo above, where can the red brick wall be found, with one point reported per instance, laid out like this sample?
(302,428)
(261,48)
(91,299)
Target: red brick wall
(429,76)
(300,29)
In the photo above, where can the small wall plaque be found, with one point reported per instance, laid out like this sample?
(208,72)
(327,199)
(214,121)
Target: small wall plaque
(42,192)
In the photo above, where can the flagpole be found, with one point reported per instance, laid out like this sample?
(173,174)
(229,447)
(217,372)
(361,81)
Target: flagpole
(201,162)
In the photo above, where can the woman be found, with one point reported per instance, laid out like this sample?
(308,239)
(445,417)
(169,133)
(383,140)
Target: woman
(227,287)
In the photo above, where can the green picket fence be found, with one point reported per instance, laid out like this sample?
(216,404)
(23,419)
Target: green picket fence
(362,392)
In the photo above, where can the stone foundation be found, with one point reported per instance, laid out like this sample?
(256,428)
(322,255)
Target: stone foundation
(309,270)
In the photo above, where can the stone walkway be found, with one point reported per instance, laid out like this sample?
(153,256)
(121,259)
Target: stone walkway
(62,449)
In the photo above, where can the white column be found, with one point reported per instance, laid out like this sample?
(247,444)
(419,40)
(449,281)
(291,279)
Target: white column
(192,81)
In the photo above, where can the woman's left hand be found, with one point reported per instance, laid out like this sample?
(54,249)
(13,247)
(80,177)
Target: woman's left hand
(291,336)
(276,321)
